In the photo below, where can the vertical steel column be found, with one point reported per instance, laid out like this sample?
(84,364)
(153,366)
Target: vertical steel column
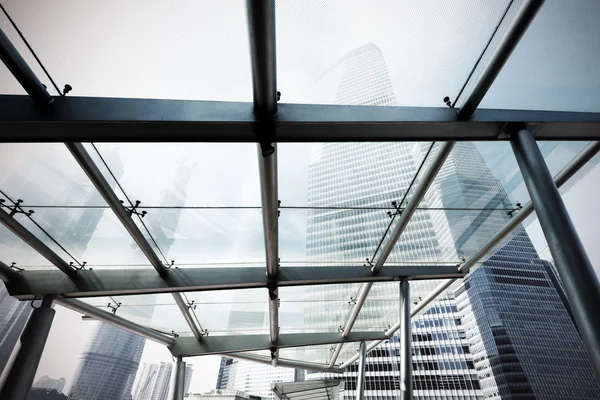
(179,382)
(33,339)
(405,342)
(573,265)
(21,71)
(360,382)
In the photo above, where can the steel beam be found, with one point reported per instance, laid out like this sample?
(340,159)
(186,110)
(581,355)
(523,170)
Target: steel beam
(179,381)
(406,389)
(115,320)
(15,227)
(146,120)
(187,315)
(122,282)
(282,362)
(509,41)
(91,170)
(425,182)
(33,339)
(7,274)
(560,179)
(360,380)
(21,71)
(189,347)
(574,267)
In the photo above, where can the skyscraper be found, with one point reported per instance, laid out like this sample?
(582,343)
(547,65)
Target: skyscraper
(45,382)
(481,332)
(189,370)
(13,316)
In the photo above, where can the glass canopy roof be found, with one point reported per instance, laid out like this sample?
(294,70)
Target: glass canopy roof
(199,205)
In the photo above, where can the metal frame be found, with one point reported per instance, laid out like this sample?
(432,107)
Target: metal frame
(86,119)
(282,362)
(179,381)
(118,282)
(266,123)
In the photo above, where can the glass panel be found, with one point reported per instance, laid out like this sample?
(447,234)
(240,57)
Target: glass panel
(381,309)
(190,236)
(14,250)
(45,174)
(157,311)
(555,65)
(316,308)
(186,174)
(229,312)
(316,354)
(380,53)
(186,50)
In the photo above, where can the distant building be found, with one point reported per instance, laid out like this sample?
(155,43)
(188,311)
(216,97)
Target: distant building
(154,382)
(189,370)
(219,394)
(46,394)
(45,382)
(13,316)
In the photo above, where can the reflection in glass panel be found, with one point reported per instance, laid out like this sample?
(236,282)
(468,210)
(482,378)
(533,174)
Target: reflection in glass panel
(14,250)
(157,311)
(186,174)
(229,312)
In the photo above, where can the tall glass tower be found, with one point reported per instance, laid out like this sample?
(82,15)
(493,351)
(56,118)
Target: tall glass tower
(487,339)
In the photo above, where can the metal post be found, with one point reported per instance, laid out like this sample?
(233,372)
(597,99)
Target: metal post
(179,382)
(360,380)
(574,267)
(15,227)
(405,342)
(21,71)
(33,339)
(504,49)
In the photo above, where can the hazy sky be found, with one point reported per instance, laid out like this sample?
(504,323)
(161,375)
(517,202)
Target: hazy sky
(199,50)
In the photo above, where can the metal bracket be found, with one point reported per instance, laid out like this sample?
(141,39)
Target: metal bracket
(16,209)
(13,265)
(76,267)
(191,305)
(174,334)
(340,328)
(134,209)
(278,210)
(168,266)
(114,308)
(461,262)
(352,301)
(368,262)
(397,212)
(447,101)
(517,208)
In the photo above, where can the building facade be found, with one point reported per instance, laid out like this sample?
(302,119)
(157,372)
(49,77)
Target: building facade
(189,371)
(45,382)
(219,394)
(13,316)
(154,382)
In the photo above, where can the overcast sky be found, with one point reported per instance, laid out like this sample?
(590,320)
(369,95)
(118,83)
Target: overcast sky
(199,50)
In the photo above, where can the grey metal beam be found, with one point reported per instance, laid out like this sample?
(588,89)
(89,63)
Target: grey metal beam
(91,170)
(406,389)
(119,282)
(7,274)
(187,315)
(21,71)
(574,267)
(138,120)
(360,380)
(282,362)
(424,183)
(115,320)
(15,227)
(188,347)
(509,41)
(179,381)
(102,185)
(560,179)
(33,339)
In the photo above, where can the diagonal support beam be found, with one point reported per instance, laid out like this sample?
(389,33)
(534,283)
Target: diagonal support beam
(102,185)
(411,207)
(189,347)
(560,179)
(122,282)
(15,227)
